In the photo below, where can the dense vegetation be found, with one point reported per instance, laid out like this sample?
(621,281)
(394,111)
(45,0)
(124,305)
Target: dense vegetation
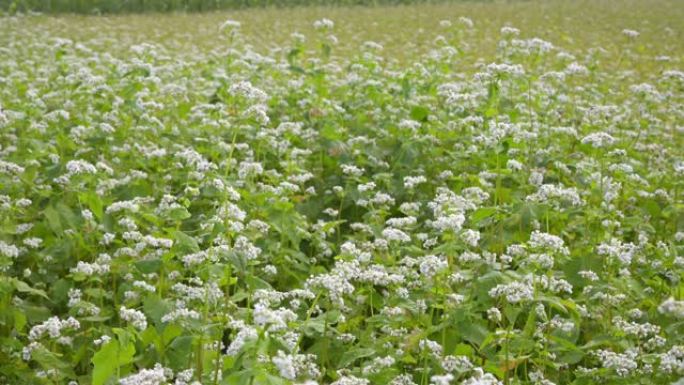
(407,196)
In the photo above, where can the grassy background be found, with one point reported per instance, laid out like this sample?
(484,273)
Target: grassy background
(595,23)
(137,6)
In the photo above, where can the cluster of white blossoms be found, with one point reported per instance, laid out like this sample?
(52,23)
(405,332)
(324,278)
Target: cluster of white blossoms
(513,292)
(135,317)
(53,328)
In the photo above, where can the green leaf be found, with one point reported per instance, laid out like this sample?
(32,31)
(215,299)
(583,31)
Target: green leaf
(354,354)
(256,283)
(178,214)
(155,308)
(53,220)
(419,113)
(185,243)
(179,351)
(482,213)
(23,287)
(109,358)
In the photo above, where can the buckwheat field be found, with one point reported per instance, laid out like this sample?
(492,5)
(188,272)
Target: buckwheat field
(479,193)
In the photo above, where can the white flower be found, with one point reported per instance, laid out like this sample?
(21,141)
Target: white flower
(630,33)
(285,365)
(672,308)
(599,139)
(155,376)
(412,181)
(8,250)
(323,24)
(514,292)
(230,25)
(392,234)
(135,317)
(80,167)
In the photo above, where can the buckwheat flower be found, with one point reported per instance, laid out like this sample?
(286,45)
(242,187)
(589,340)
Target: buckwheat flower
(157,242)
(180,314)
(10,168)
(640,330)
(102,340)
(444,379)
(431,346)
(25,227)
(130,206)
(672,308)
(144,286)
(53,327)
(401,223)
(350,169)
(8,250)
(537,378)
(392,234)
(246,248)
(270,270)
(412,181)
(514,165)
(273,320)
(536,178)
(248,91)
(331,212)
(285,365)
(510,31)
(452,222)
(323,24)
(366,187)
(259,226)
(588,274)
(381,198)
(75,167)
(107,238)
(135,317)
(496,71)
(599,139)
(74,297)
(402,379)
(547,241)
(90,269)
(87,215)
(246,333)
(471,237)
(456,364)
(466,22)
(430,265)
(351,380)
(444,175)
(185,377)
(622,363)
(616,250)
(552,194)
(409,124)
(481,378)
(630,33)
(230,25)
(514,292)
(28,349)
(493,314)
(158,375)
(23,202)
(672,361)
